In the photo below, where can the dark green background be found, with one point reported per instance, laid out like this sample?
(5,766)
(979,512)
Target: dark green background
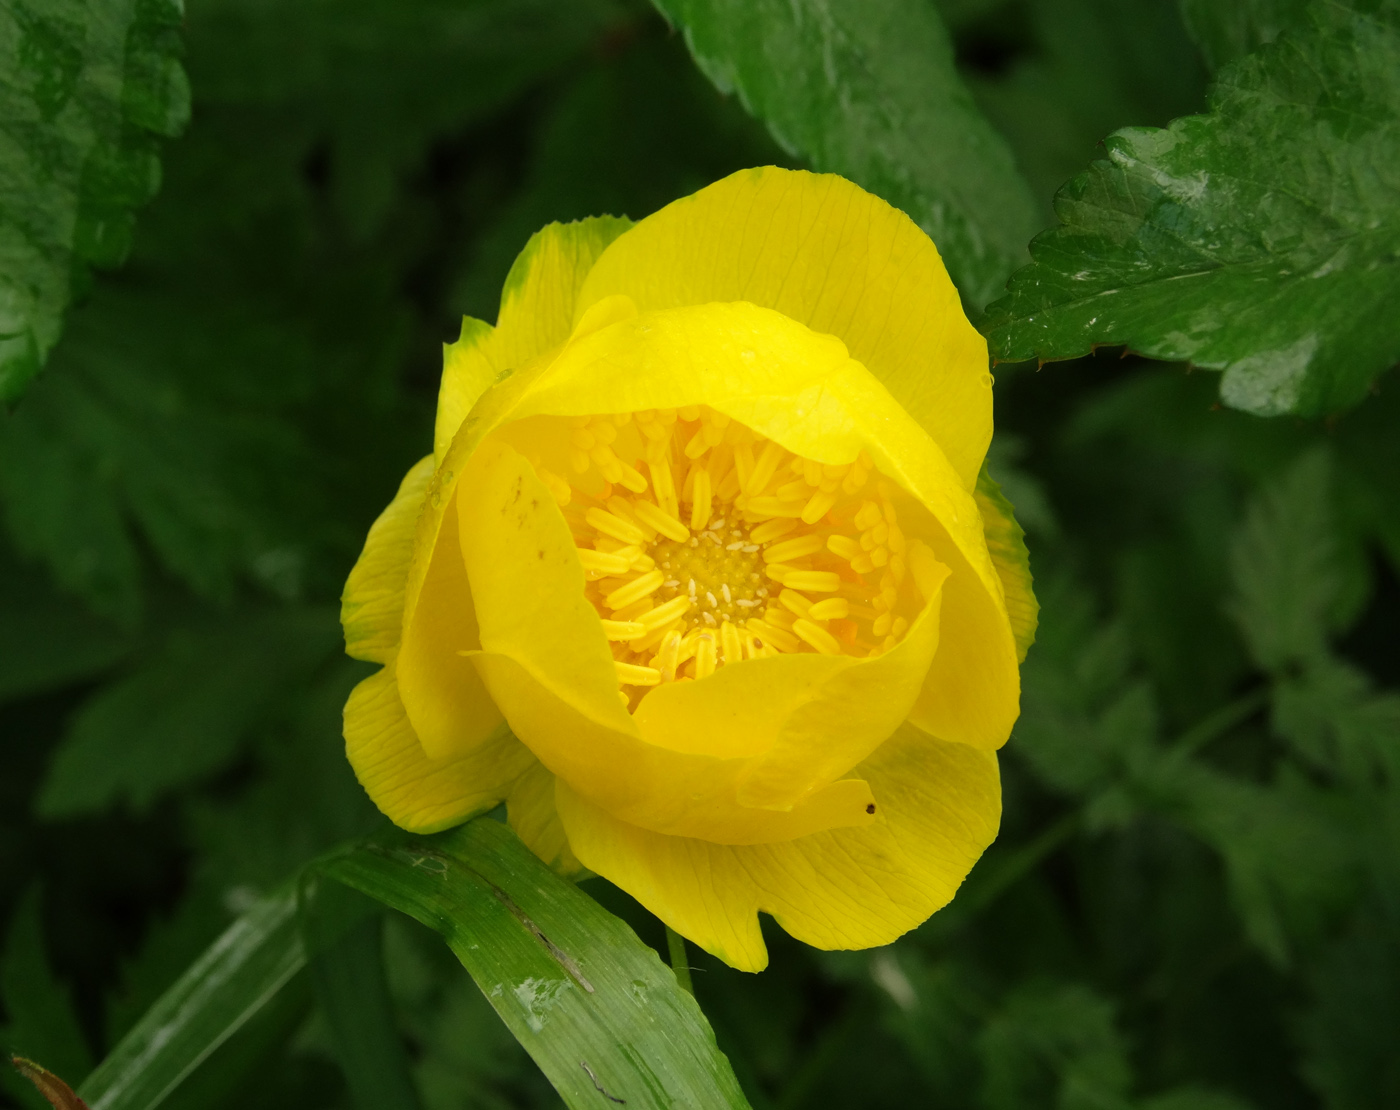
(1195,900)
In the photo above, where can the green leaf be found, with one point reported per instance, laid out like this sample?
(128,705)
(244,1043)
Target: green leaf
(348,973)
(868,90)
(1225,32)
(47,640)
(1284,564)
(42,1025)
(596,1008)
(185,712)
(234,979)
(87,90)
(1262,239)
(1057,1038)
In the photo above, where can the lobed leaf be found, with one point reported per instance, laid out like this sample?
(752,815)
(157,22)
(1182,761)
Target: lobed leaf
(86,90)
(1262,239)
(869,91)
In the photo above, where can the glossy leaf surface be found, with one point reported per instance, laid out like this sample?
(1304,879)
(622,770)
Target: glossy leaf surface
(1262,239)
(869,91)
(86,89)
(595,1007)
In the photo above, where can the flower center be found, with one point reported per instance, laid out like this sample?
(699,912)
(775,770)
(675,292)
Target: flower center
(729,547)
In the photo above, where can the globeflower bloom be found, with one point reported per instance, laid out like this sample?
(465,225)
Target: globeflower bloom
(704,578)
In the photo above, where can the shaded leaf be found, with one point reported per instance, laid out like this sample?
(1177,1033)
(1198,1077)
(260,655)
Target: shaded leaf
(1284,564)
(185,712)
(42,1025)
(87,90)
(1225,32)
(227,986)
(596,1008)
(869,91)
(1260,239)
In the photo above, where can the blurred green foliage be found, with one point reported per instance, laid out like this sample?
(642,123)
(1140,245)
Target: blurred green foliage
(1195,900)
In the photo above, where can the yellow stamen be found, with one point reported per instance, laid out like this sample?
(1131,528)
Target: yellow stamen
(664,614)
(667,656)
(602,562)
(642,587)
(818,581)
(630,674)
(732,644)
(817,636)
(764,468)
(700,501)
(843,546)
(624,630)
(819,505)
(773,506)
(772,634)
(831,609)
(614,526)
(794,548)
(795,602)
(705,656)
(662,521)
(771,529)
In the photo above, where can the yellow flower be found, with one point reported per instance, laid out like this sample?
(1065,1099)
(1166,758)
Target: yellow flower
(701,579)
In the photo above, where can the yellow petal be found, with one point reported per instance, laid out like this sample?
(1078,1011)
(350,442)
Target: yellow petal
(826,253)
(371,607)
(938,807)
(537,313)
(546,661)
(413,791)
(445,699)
(532,814)
(1007,544)
(803,391)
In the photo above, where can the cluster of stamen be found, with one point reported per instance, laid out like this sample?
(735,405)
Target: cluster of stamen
(704,544)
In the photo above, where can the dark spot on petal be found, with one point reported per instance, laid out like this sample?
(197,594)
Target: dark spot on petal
(870,808)
(541,554)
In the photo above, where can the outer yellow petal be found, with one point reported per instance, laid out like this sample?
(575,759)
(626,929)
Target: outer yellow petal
(445,699)
(804,391)
(413,791)
(939,808)
(371,607)
(1007,543)
(537,313)
(546,662)
(832,256)
(535,819)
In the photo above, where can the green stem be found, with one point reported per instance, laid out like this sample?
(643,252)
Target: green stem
(680,961)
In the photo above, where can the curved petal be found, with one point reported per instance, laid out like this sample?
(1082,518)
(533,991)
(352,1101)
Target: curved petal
(824,252)
(1007,544)
(537,313)
(939,808)
(413,791)
(446,701)
(546,662)
(532,814)
(371,606)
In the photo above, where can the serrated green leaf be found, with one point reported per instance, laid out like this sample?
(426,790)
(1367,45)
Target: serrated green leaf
(869,91)
(226,987)
(596,1008)
(1284,564)
(185,712)
(1262,239)
(87,90)
(1225,32)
